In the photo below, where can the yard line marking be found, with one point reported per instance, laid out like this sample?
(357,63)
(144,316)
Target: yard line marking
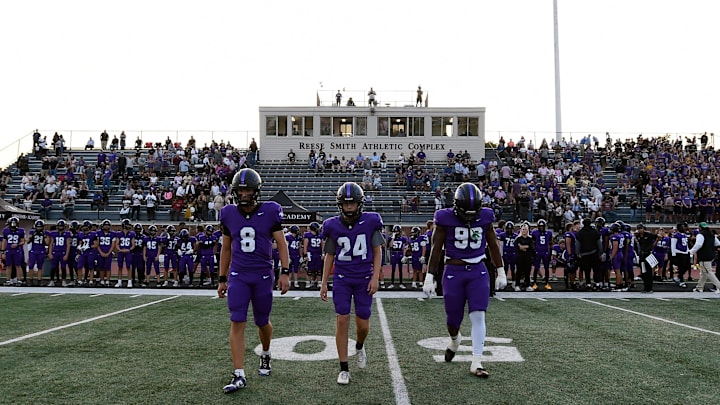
(95,295)
(135,296)
(652,317)
(57,295)
(662,299)
(499,299)
(421,299)
(296,298)
(214,297)
(541,299)
(18,294)
(622,299)
(702,299)
(46,331)
(399,388)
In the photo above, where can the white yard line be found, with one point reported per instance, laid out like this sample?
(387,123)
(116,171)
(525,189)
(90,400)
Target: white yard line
(57,328)
(399,388)
(656,318)
(135,296)
(57,295)
(541,299)
(622,299)
(18,294)
(95,295)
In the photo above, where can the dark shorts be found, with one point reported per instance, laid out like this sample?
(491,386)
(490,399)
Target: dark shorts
(352,289)
(250,286)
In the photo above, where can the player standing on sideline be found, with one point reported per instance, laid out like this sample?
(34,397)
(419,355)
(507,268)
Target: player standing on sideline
(543,241)
(206,250)
(466,232)
(12,247)
(312,246)
(39,243)
(249,228)
(509,253)
(59,252)
(72,255)
(679,248)
(124,243)
(418,244)
(353,245)
(105,237)
(397,244)
(87,247)
(171,264)
(137,262)
(186,252)
(151,255)
(294,242)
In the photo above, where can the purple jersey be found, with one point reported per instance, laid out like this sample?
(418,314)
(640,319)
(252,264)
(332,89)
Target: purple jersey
(294,244)
(170,243)
(125,240)
(314,244)
(397,244)
(542,241)
(620,239)
(508,240)
(85,241)
(662,246)
(37,242)
(60,241)
(186,247)
(353,244)
(105,240)
(13,237)
(681,242)
(570,247)
(206,244)
(465,241)
(252,235)
(417,245)
(151,245)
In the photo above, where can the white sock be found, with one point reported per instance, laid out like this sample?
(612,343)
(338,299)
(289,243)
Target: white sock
(477,319)
(455,342)
(239,372)
(265,353)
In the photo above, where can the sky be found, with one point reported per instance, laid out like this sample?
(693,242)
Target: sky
(626,66)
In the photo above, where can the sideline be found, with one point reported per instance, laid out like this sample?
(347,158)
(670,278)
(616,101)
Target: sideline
(652,317)
(399,388)
(57,328)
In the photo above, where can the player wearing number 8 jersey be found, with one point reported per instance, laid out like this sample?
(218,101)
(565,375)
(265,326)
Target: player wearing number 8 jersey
(353,245)
(467,235)
(246,272)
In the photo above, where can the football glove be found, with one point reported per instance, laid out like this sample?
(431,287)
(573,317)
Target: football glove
(308,257)
(404,260)
(429,285)
(603,257)
(501,279)
(422,259)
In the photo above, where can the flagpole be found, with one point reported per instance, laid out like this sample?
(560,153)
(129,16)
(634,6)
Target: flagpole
(558,121)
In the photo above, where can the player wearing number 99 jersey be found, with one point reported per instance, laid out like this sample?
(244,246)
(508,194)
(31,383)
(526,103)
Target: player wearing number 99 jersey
(246,268)
(353,245)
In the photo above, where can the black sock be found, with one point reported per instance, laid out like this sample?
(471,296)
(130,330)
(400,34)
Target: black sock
(358,346)
(344,366)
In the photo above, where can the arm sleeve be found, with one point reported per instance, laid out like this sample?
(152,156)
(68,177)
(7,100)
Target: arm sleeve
(377,239)
(717,242)
(673,241)
(699,240)
(330,246)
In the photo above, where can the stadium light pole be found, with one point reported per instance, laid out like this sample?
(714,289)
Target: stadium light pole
(558,121)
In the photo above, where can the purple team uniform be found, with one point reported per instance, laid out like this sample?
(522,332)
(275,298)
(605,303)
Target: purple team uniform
(125,242)
(353,261)
(294,243)
(14,256)
(542,249)
(38,250)
(416,247)
(186,251)
(471,282)
(206,251)
(314,251)
(86,259)
(152,250)
(105,242)
(61,241)
(617,261)
(251,277)
(172,260)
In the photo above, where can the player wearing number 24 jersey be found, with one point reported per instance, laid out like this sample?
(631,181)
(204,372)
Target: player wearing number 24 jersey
(353,246)
(246,268)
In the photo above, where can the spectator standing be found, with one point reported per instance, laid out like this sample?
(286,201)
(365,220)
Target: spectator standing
(104,137)
(151,204)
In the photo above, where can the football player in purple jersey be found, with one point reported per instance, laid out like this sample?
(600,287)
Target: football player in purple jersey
(87,248)
(172,260)
(123,244)
(312,245)
(543,242)
(59,252)
(106,241)
(151,255)
(295,243)
(397,244)
(186,252)
(137,260)
(39,243)
(418,244)
(12,247)
(353,246)
(467,235)
(245,273)
(207,244)
(617,246)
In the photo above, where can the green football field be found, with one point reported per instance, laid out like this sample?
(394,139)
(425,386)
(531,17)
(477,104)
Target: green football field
(74,348)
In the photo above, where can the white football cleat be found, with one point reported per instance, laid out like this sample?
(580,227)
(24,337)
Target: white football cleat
(343,378)
(362,358)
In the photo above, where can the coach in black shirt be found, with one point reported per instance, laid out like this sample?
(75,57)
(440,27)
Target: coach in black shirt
(588,244)
(644,244)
